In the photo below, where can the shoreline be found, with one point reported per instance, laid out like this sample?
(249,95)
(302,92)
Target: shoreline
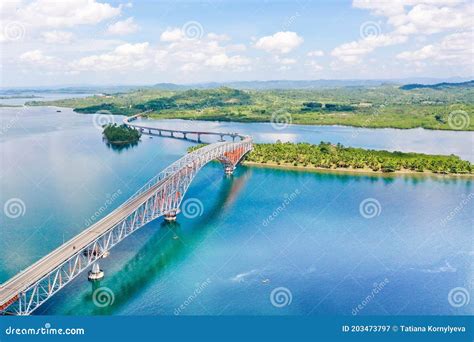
(356,172)
(158,117)
(165,117)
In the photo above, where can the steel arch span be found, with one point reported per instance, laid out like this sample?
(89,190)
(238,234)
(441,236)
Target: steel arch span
(160,196)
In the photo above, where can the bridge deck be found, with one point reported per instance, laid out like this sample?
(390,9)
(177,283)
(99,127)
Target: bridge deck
(33,276)
(54,259)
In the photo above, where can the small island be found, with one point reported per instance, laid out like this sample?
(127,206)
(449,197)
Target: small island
(336,157)
(121,135)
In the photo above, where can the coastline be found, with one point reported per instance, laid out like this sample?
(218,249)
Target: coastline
(356,172)
(367,126)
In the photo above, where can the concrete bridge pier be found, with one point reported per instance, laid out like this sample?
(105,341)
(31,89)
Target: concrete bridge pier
(184,136)
(171,215)
(159,132)
(96,273)
(199,138)
(172,134)
(229,170)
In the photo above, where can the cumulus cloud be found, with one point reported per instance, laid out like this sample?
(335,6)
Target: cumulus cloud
(123,57)
(58,14)
(37,58)
(174,53)
(421,16)
(406,18)
(172,35)
(57,37)
(314,66)
(280,42)
(455,48)
(222,60)
(354,51)
(123,27)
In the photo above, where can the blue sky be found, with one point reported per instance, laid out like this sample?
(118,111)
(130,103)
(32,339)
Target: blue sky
(47,42)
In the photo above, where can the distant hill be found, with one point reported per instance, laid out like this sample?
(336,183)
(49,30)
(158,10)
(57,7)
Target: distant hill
(443,85)
(276,84)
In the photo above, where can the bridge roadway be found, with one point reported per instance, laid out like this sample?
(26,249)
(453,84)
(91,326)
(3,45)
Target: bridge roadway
(54,259)
(27,278)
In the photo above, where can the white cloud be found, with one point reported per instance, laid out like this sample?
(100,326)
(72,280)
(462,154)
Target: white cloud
(57,14)
(315,53)
(123,27)
(429,19)
(354,51)
(314,66)
(57,37)
(123,57)
(421,16)
(453,49)
(37,58)
(407,18)
(280,42)
(172,35)
(222,60)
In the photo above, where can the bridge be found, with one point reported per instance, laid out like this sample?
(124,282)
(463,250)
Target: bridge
(160,196)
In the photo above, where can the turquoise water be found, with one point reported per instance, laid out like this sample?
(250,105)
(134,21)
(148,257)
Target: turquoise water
(317,244)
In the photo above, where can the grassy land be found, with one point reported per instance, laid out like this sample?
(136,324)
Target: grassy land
(337,157)
(384,106)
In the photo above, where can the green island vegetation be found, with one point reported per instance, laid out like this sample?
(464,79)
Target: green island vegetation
(361,106)
(337,157)
(120,134)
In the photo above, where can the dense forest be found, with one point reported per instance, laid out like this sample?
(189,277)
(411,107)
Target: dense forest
(120,134)
(326,155)
(447,108)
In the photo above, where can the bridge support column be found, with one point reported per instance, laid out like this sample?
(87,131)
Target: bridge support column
(96,273)
(184,136)
(199,138)
(171,216)
(229,170)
